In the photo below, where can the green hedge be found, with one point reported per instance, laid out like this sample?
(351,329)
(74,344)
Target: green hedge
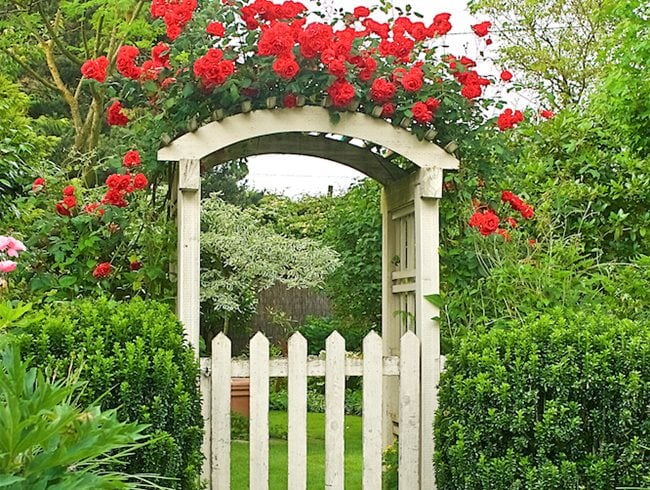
(561,403)
(133,354)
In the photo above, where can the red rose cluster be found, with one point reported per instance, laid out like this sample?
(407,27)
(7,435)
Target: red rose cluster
(509,118)
(150,69)
(518,204)
(66,205)
(175,13)
(212,69)
(472,83)
(95,69)
(102,270)
(423,112)
(487,222)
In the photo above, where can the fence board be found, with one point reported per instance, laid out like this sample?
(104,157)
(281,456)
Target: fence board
(206,413)
(259,413)
(409,413)
(278,368)
(334,411)
(297,437)
(372,410)
(221,351)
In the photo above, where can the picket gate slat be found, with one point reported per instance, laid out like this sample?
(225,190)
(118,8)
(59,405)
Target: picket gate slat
(409,412)
(372,411)
(259,413)
(220,447)
(216,379)
(297,425)
(334,411)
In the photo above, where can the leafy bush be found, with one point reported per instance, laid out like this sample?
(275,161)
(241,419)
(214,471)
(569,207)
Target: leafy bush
(135,354)
(46,441)
(317,329)
(561,402)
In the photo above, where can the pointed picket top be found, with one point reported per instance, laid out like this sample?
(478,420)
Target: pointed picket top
(373,338)
(297,339)
(335,339)
(259,340)
(221,342)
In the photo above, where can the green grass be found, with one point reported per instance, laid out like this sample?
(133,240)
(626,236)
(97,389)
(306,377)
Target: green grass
(315,454)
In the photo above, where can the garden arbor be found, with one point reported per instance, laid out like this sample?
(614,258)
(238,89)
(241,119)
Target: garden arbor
(410,222)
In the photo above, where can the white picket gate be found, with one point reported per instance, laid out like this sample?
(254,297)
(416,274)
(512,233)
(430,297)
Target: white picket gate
(337,364)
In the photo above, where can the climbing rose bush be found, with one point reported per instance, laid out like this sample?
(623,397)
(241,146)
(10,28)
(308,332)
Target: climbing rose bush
(234,56)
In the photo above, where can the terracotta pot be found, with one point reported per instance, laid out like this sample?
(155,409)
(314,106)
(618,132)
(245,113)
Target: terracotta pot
(240,396)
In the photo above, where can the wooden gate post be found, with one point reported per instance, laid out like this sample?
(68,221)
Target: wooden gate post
(188,301)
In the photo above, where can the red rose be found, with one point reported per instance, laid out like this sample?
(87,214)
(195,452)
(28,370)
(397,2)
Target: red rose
(546,114)
(160,55)
(135,265)
(506,76)
(508,119)
(215,29)
(212,70)
(361,12)
(341,92)
(481,29)
(382,90)
(277,40)
(118,181)
(387,110)
(95,69)
(336,67)
(440,25)
(286,67)
(421,113)
(526,211)
(314,39)
(290,101)
(38,184)
(61,209)
(115,116)
(140,181)
(412,82)
(131,159)
(488,41)
(94,207)
(471,91)
(68,190)
(115,197)
(432,104)
(467,62)
(69,202)
(102,270)
(125,63)
(489,224)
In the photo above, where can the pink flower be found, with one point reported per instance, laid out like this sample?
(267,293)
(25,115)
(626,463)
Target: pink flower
(7,266)
(11,246)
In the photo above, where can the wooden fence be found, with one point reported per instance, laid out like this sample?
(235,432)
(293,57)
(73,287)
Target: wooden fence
(337,364)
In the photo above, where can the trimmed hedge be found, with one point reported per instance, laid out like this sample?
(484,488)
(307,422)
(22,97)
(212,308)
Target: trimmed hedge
(135,356)
(560,403)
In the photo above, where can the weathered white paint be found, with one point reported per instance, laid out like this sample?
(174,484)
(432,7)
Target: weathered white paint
(334,411)
(409,415)
(259,412)
(297,424)
(220,134)
(220,396)
(374,368)
(427,328)
(372,411)
(188,297)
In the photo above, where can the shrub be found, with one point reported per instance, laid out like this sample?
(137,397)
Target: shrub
(48,441)
(561,402)
(134,355)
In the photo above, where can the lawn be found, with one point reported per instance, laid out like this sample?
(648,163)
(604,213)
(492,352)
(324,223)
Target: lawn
(315,454)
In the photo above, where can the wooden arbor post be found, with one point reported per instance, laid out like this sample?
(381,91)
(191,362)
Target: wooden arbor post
(410,219)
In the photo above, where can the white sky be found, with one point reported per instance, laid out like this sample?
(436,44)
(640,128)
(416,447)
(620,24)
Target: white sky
(295,175)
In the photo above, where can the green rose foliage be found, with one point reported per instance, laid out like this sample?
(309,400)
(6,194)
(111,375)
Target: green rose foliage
(561,402)
(134,356)
(64,250)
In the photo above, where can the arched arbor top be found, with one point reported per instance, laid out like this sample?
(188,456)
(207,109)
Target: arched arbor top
(307,131)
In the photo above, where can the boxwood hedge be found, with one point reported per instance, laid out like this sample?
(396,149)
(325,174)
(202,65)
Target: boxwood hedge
(132,354)
(562,403)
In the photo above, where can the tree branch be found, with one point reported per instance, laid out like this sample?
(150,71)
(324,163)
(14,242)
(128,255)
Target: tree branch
(54,37)
(30,70)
